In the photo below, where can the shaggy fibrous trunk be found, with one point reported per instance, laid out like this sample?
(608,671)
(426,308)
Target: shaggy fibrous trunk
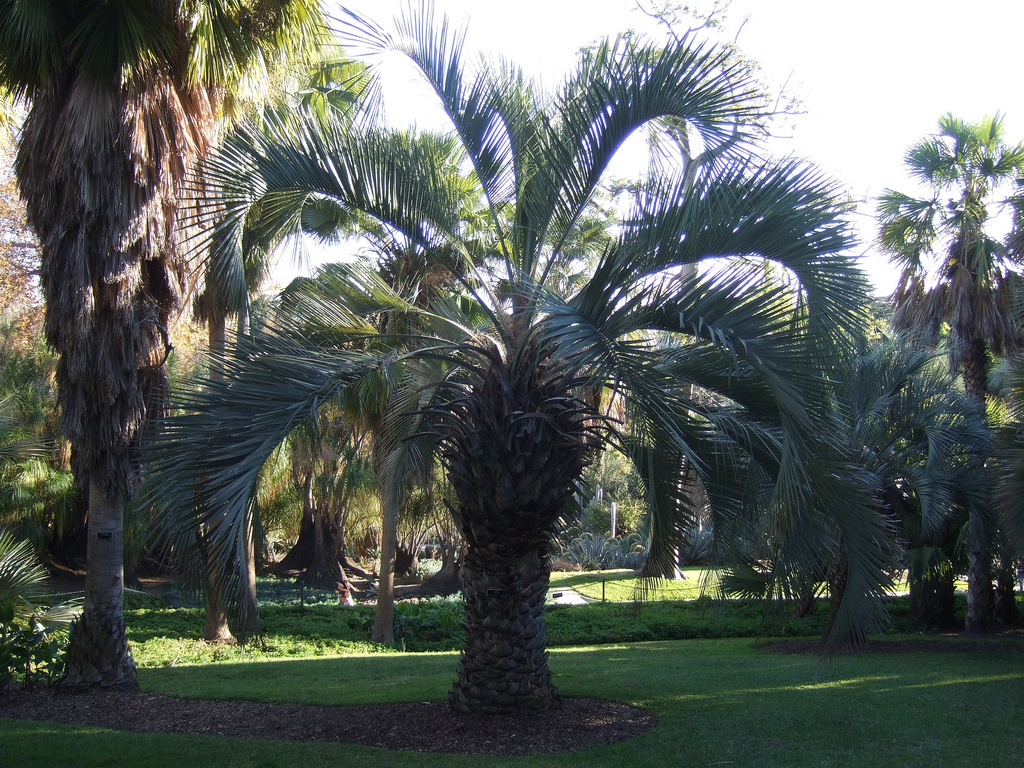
(99,166)
(99,653)
(515,447)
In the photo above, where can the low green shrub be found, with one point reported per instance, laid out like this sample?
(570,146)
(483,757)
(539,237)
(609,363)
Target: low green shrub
(32,654)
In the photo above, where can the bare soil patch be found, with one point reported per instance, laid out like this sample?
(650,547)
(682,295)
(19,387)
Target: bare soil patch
(422,727)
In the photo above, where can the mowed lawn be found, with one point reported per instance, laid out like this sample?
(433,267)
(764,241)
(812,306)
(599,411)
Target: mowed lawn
(620,585)
(720,703)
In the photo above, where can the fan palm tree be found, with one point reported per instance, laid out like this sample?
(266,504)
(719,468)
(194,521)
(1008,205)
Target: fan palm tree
(123,98)
(507,362)
(955,274)
(901,429)
(904,423)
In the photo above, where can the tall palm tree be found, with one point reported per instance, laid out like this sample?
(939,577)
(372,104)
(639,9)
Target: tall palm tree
(123,98)
(955,273)
(512,360)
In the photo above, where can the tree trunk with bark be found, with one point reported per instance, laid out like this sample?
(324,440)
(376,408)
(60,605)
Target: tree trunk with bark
(215,606)
(1006,612)
(504,664)
(247,625)
(838,577)
(301,553)
(384,616)
(979,568)
(515,448)
(99,652)
(215,603)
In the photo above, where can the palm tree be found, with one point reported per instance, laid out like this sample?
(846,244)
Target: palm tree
(902,422)
(123,99)
(1009,474)
(955,273)
(507,361)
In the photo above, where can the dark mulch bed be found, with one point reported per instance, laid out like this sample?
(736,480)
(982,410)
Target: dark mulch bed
(421,727)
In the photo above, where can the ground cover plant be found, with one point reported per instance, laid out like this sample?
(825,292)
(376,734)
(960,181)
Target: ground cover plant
(724,702)
(165,633)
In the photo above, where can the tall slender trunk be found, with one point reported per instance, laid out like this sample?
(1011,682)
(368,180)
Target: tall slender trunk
(99,652)
(979,572)
(248,622)
(215,603)
(384,616)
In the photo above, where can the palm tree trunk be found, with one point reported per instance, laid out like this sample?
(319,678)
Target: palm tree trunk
(247,624)
(384,617)
(99,652)
(979,573)
(504,664)
(215,602)
(1005,600)
(215,606)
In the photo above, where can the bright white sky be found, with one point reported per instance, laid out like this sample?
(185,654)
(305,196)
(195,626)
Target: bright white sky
(873,76)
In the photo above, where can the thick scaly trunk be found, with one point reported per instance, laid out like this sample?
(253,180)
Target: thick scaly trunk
(979,573)
(324,570)
(301,553)
(99,652)
(504,664)
(515,449)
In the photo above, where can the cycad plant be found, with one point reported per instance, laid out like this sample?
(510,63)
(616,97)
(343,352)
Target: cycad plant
(507,358)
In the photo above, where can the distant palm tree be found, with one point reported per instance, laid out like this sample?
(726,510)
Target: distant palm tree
(722,368)
(901,420)
(123,99)
(956,274)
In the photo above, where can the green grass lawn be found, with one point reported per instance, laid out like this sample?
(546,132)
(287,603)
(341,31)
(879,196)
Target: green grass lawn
(721,700)
(621,584)
(720,703)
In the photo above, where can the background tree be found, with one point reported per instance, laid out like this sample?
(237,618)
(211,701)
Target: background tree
(956,275)
(123,97)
